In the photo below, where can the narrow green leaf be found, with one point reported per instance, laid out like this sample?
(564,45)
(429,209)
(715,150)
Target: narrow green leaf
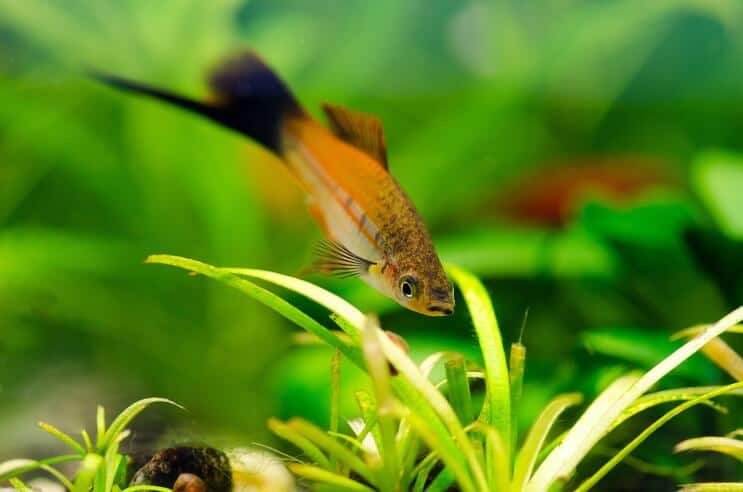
(423,470)
(584,435)
(354,319)
(100,420)
(442,482)
(725,445)
(65,438)
(154,488)
(86,440)
(516,366)
(324,476)
(449,454)
(498,456)
(335,390)
(459,388)
(491,346)
(272,300)
(19,485)
(527,456)
(725,357)
(333,447)
(18,467)
(287,433)
(368,408)
(713,487)
(667,396)
(593,479)
(87,473)
(125,417)
(431,398)
(380,376)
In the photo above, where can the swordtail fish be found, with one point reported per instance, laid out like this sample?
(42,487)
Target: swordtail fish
(372,228)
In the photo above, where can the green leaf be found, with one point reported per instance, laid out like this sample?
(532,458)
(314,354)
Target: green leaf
(352,318)
(19,485)
(335,449)
(125,417)
(288,433)
(15,468)
(153,488)
(380,376)
(718,179)
(488,335)
(63,437)
(725,445)
(422,397)
(618,457)
(713,487)
(272,300)
(597,419)
(660,397)
(527,456)
(324,476)
(458,388)
(87,473)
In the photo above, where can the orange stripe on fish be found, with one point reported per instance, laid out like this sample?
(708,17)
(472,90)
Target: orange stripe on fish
(374,230)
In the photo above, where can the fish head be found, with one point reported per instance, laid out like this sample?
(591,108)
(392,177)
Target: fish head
(424,290)
(432,296)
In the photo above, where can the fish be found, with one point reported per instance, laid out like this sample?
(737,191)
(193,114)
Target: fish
(372,228)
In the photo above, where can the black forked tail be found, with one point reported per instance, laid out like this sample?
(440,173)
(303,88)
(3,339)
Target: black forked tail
(249,98)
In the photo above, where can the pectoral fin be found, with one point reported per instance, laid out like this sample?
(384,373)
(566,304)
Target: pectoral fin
(335,259)
(363,131)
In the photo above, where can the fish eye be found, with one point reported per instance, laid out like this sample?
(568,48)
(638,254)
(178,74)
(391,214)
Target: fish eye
(408,286)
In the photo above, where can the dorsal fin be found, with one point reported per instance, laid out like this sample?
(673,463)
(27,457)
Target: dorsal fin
(361,130)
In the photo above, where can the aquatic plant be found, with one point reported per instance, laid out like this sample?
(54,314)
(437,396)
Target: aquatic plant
(414,434)
(102,467)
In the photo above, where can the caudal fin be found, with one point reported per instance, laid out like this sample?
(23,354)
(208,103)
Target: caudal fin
(249,98)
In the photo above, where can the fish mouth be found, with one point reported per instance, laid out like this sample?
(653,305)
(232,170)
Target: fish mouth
(440,309)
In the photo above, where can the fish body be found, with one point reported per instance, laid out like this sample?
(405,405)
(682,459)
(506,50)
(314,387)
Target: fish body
(374,231)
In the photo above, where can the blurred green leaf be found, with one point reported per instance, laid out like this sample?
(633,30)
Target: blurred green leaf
(718,179)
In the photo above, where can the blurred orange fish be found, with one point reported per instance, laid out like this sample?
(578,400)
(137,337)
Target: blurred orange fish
(373,229)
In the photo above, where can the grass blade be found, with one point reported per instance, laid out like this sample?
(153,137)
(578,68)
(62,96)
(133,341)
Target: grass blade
(491,345)
(49,428)
(516,366)
(567,451)
(332,447)
(725,445)
(379,371)
(19,485)
(459,388)
(527,456)
(593,479)
(100,421)
(667,396)
(713,487)
(339,482)
(725,357)
(354,318)
(287,433)
(18,467)
(436,401)
(87,473)
(562,461)
(125,417)
(270,299)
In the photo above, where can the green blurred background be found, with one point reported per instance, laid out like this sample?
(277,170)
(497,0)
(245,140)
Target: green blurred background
(584,157)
